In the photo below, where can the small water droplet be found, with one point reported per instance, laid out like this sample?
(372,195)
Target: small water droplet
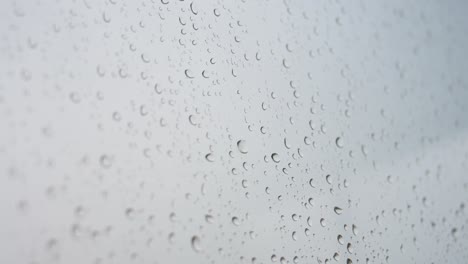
(105,161)
(196,244)
(294,236)
(209,218)
(350,248)
(322,222)
(340,239)
(210,157)
(235,221)
(274,258)
(355,230)
(339,142)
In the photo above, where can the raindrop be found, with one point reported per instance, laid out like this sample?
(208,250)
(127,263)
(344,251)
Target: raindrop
(209,218)
(235,221)
(339,142)
(350,248)
(116,116)
(274,258)
(196,244)
(192,120)
(294,236)
(210,157)
(340,239)
(275,157)
(338,210)
(105,161)
(242,146)
(189,74)
(130,213)
(75,98)
(322,222)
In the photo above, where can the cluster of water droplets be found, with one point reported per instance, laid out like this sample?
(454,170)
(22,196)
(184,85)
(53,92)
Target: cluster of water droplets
(171,131)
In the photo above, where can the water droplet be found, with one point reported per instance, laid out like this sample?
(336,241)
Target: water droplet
(350,248)
(338,210)
(235,221)
(116,116)
(294,217)
(196,244)
(274,258)
(105,161)
(242,146)
(340,239)
(130,213)
(339,142)
(189,74)
(294,236)
(275,157)
(210,157)
(209,218)
(322,222)
(355,230)
(283,260)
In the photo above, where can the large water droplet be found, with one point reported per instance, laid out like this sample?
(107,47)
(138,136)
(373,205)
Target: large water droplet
(242,146)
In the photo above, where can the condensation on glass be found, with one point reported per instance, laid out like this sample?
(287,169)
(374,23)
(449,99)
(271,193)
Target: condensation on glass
(169,131)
